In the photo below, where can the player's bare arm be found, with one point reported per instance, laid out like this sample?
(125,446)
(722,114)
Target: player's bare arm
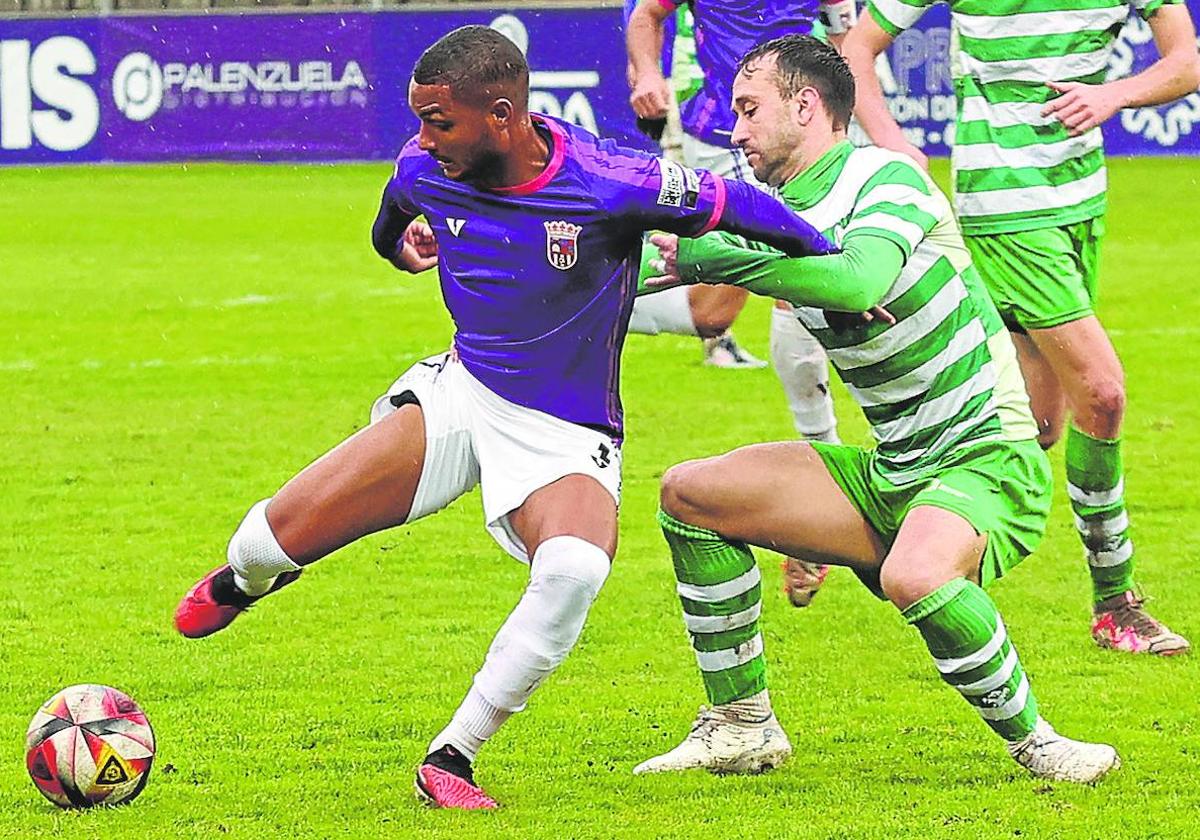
(643,42)
(866,41)
(1082,107)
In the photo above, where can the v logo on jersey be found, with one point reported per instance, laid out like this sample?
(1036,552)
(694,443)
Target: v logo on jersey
(455,225)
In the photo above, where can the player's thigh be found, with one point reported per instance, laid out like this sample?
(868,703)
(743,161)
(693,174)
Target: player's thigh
(933,547)
(715,308)
(414,458)
(363,485)
(575,505)
(779,496)
(543,476)
(979,518)
(1036,278)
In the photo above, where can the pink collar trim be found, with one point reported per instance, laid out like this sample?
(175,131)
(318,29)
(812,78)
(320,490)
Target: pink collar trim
(557,153)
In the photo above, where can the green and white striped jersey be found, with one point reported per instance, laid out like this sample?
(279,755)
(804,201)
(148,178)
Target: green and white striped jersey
(1013,168)
(946,374)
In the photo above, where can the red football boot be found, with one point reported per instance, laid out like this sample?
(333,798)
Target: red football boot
(444,780)
(214,602)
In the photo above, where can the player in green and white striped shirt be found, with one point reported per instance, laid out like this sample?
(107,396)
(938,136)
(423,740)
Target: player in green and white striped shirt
(957,490)
(1029,184)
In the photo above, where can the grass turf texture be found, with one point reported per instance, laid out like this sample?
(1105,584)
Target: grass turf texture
(178,341)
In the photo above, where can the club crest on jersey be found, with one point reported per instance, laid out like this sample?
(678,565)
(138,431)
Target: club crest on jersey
(562,244)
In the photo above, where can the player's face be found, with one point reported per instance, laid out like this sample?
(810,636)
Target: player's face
(457,134)
(768,127)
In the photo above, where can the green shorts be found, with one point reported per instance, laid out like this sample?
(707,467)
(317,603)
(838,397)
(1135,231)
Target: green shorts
(1002,488)
(1040,278)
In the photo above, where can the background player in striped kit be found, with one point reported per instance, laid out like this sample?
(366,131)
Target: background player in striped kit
(954,495)
(535,227)
(1030,193)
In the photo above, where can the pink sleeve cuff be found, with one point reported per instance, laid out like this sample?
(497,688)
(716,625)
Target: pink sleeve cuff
(718,205)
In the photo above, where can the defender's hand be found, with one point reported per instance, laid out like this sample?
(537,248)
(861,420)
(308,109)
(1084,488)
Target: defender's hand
(667,262)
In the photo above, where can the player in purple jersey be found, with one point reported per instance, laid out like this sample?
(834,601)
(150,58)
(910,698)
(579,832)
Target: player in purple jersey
(536,230)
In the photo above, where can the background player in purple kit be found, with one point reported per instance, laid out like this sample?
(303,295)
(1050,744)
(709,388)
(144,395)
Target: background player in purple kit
(536,229)
(725,30)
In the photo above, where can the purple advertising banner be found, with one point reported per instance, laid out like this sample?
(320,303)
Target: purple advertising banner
(322,86)
(333,85)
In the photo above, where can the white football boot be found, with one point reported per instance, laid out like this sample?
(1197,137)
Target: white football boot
(723,351)
(720,744)
(1048,755)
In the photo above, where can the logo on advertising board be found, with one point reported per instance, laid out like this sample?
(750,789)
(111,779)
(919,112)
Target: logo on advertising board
(44,95)
(142,86)
(915,77)
(547,87)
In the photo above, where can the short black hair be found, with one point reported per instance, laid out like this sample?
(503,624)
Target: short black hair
(475,61)
(803,61)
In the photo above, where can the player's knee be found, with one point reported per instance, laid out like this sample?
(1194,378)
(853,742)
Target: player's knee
(682,494)
(567,573)
(1106,400)
(905,583)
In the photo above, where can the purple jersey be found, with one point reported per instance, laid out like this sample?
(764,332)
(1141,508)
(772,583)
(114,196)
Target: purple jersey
(726,30)
(540,278)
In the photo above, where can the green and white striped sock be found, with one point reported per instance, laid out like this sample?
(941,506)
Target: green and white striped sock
(721,590)
(1096,485)
(972,651)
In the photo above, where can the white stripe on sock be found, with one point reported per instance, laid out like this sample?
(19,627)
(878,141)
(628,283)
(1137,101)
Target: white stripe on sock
(992,681)
(1105,559)
(721,623)
(974,660)
(1098,529)
(722,660)
(740,585)
(1096,498)
(1010,709)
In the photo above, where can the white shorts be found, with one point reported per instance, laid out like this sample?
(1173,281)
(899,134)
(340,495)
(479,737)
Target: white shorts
(470,433)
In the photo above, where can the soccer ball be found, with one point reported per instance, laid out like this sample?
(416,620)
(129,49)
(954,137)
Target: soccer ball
(89,745)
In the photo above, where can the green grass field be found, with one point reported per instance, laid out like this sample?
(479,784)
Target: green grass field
(178,341)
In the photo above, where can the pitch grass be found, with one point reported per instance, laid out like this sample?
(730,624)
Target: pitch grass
(178,341)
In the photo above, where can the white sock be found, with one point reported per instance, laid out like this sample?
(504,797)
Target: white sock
(753,709)
(255,555)
(565,578)
(475,721)
(666,311)
(803,370)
